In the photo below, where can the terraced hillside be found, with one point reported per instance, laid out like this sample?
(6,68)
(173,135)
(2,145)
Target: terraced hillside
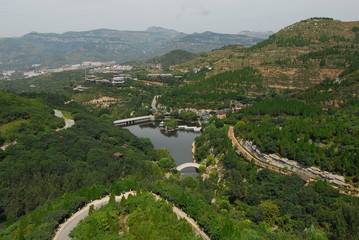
(297,57)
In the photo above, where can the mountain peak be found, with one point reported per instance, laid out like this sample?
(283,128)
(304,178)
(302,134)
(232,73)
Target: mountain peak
(160,29)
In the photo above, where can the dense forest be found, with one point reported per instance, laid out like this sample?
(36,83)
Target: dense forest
(47,175)
(139,217)
(19,116)
(318,127)
(244,192)
(44,165)
(214,92)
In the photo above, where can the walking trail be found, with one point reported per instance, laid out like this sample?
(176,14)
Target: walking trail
(64,229)
(68,122)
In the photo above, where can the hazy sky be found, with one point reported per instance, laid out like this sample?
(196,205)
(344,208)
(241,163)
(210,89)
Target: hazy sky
(18,17)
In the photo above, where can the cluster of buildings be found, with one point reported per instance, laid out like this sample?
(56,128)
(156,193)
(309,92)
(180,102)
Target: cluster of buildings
(117,79)
(163,76)
(99,67)
(7,74)
(111,69)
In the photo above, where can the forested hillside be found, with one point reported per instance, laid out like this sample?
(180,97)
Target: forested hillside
(296,57)
(318,127)
(50,82)
(247,195)
(20,116)
(295,95)
(216,91)
(44,164)
(140,217)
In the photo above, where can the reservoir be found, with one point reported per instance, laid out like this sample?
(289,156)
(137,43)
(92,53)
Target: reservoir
(179,143)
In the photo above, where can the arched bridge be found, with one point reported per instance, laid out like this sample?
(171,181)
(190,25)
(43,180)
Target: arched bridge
(186,165)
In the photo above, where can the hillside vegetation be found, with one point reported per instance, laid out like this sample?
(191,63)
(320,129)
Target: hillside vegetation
(19,116)
(138,217)
(174,57)
(215,91)
(45,164)
(296,57)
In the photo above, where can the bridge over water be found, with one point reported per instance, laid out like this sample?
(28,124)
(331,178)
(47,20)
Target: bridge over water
(134,120)
(186,165)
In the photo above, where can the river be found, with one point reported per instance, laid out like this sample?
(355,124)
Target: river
(179,143)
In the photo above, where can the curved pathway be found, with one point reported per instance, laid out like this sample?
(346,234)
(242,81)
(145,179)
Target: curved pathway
(68,122)
(247,155)
(154,103)
(64,229)
(7,145)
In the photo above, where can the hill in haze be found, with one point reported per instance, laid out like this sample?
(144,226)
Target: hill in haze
(51,49)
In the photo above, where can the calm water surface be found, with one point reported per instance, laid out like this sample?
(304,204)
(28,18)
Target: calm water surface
(179,143)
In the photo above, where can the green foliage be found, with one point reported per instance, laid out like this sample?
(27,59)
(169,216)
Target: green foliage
(354,65)
(171,124)
(280,106)
(356,32)
(166,163)
(214,92)
(174,57)
(295,41)
(213,137)
(139,217)
(44,166)
(20,116)
(269,212)
(52,82)
(188,116)
(304,133)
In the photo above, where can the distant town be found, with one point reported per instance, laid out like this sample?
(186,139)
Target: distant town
(36,70)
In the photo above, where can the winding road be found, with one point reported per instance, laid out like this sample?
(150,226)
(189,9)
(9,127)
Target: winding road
(154,102)
(64,229)
(247,155)
(351,191)
(68,122)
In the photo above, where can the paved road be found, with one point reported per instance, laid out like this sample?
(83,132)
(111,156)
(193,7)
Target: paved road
(154,102)
(195,226)
(65,228)
(68,122)
(246,154)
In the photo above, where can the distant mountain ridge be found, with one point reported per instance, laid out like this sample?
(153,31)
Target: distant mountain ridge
(263,35)
(52,49)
